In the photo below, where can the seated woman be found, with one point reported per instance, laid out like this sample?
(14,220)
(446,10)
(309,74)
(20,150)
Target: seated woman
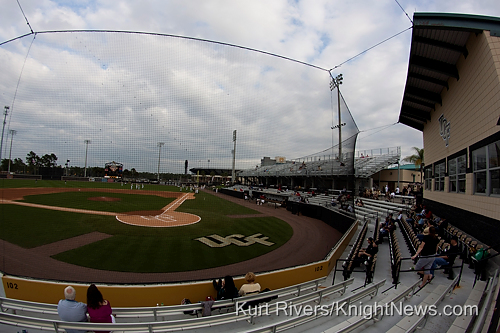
(226,288)
(250,287)
(98,308)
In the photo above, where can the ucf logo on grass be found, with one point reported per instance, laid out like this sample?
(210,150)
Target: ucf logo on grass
(236,239)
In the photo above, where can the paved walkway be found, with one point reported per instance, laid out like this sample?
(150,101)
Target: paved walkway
(311,241)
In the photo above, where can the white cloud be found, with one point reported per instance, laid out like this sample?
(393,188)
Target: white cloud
(128,92)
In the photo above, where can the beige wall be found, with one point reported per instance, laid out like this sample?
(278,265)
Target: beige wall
(472,106)
(405,177)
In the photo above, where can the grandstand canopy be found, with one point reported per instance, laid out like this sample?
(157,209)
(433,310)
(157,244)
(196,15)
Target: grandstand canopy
(438,41)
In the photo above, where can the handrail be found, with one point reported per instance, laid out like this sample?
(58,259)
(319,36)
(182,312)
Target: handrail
(459,276)
(377,313)
(162,326)
(45,308)
(481,317)
(303,318)
(450,288)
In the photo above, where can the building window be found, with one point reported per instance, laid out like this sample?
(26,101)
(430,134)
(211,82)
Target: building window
(486,167)
(439,171)
(428,178)
(457,171)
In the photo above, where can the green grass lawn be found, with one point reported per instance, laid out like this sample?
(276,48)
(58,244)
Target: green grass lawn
(143,249)
(80,200)
(24,183)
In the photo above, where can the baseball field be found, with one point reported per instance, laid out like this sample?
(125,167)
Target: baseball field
(133,248)
(108,232)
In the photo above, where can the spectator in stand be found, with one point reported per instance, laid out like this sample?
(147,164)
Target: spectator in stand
(71,310)
(98,308)
(250,287)
(225,288)
(397,190)
(425,232)
(387,228)
(400,216)
(447,259)
(428,247)
(386,188)
(422,212)
(366,254)
(451,255)
(442,225)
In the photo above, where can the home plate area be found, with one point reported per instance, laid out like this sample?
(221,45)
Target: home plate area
(169,217)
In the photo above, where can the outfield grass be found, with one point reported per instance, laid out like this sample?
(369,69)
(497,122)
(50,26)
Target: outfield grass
(30,183)
(31,227)
(143,249)
(174,250)
(80,200)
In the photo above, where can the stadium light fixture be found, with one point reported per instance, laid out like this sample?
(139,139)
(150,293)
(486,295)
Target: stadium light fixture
(12,133)
(86,151)
(336,82)
(159,145)
(5,113)
(233,173)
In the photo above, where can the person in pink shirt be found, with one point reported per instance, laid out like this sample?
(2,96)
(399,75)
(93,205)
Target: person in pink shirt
(98,308)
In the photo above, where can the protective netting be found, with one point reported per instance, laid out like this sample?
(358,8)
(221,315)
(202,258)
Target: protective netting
(153,102)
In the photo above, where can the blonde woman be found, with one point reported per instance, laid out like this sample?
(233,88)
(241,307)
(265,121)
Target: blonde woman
(250,287)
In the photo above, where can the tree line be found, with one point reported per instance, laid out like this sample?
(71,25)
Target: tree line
(33,163)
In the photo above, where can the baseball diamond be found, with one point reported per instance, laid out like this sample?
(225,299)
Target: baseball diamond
(47,260)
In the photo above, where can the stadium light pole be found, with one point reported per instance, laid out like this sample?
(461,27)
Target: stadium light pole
(5,113)
(336,82)
(86,151)
(12,133)
(233,173)
(159,145)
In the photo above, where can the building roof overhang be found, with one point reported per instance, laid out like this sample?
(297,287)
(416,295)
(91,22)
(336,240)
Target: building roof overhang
(438,42)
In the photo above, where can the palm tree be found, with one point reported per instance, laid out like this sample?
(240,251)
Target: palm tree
(417,159)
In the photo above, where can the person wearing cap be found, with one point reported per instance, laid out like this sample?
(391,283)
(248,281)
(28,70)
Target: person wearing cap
(428,247)
(421,236)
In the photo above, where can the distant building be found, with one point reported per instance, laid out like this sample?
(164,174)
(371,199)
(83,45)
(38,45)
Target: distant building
(408,174)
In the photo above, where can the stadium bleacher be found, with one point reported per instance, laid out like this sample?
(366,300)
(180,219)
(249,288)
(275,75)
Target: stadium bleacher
(439,293)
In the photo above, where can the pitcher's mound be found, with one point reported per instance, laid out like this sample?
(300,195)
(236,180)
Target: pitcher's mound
(104,199)
(145,212)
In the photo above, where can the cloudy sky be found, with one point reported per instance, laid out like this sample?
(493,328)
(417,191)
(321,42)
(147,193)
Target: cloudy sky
(128,92)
